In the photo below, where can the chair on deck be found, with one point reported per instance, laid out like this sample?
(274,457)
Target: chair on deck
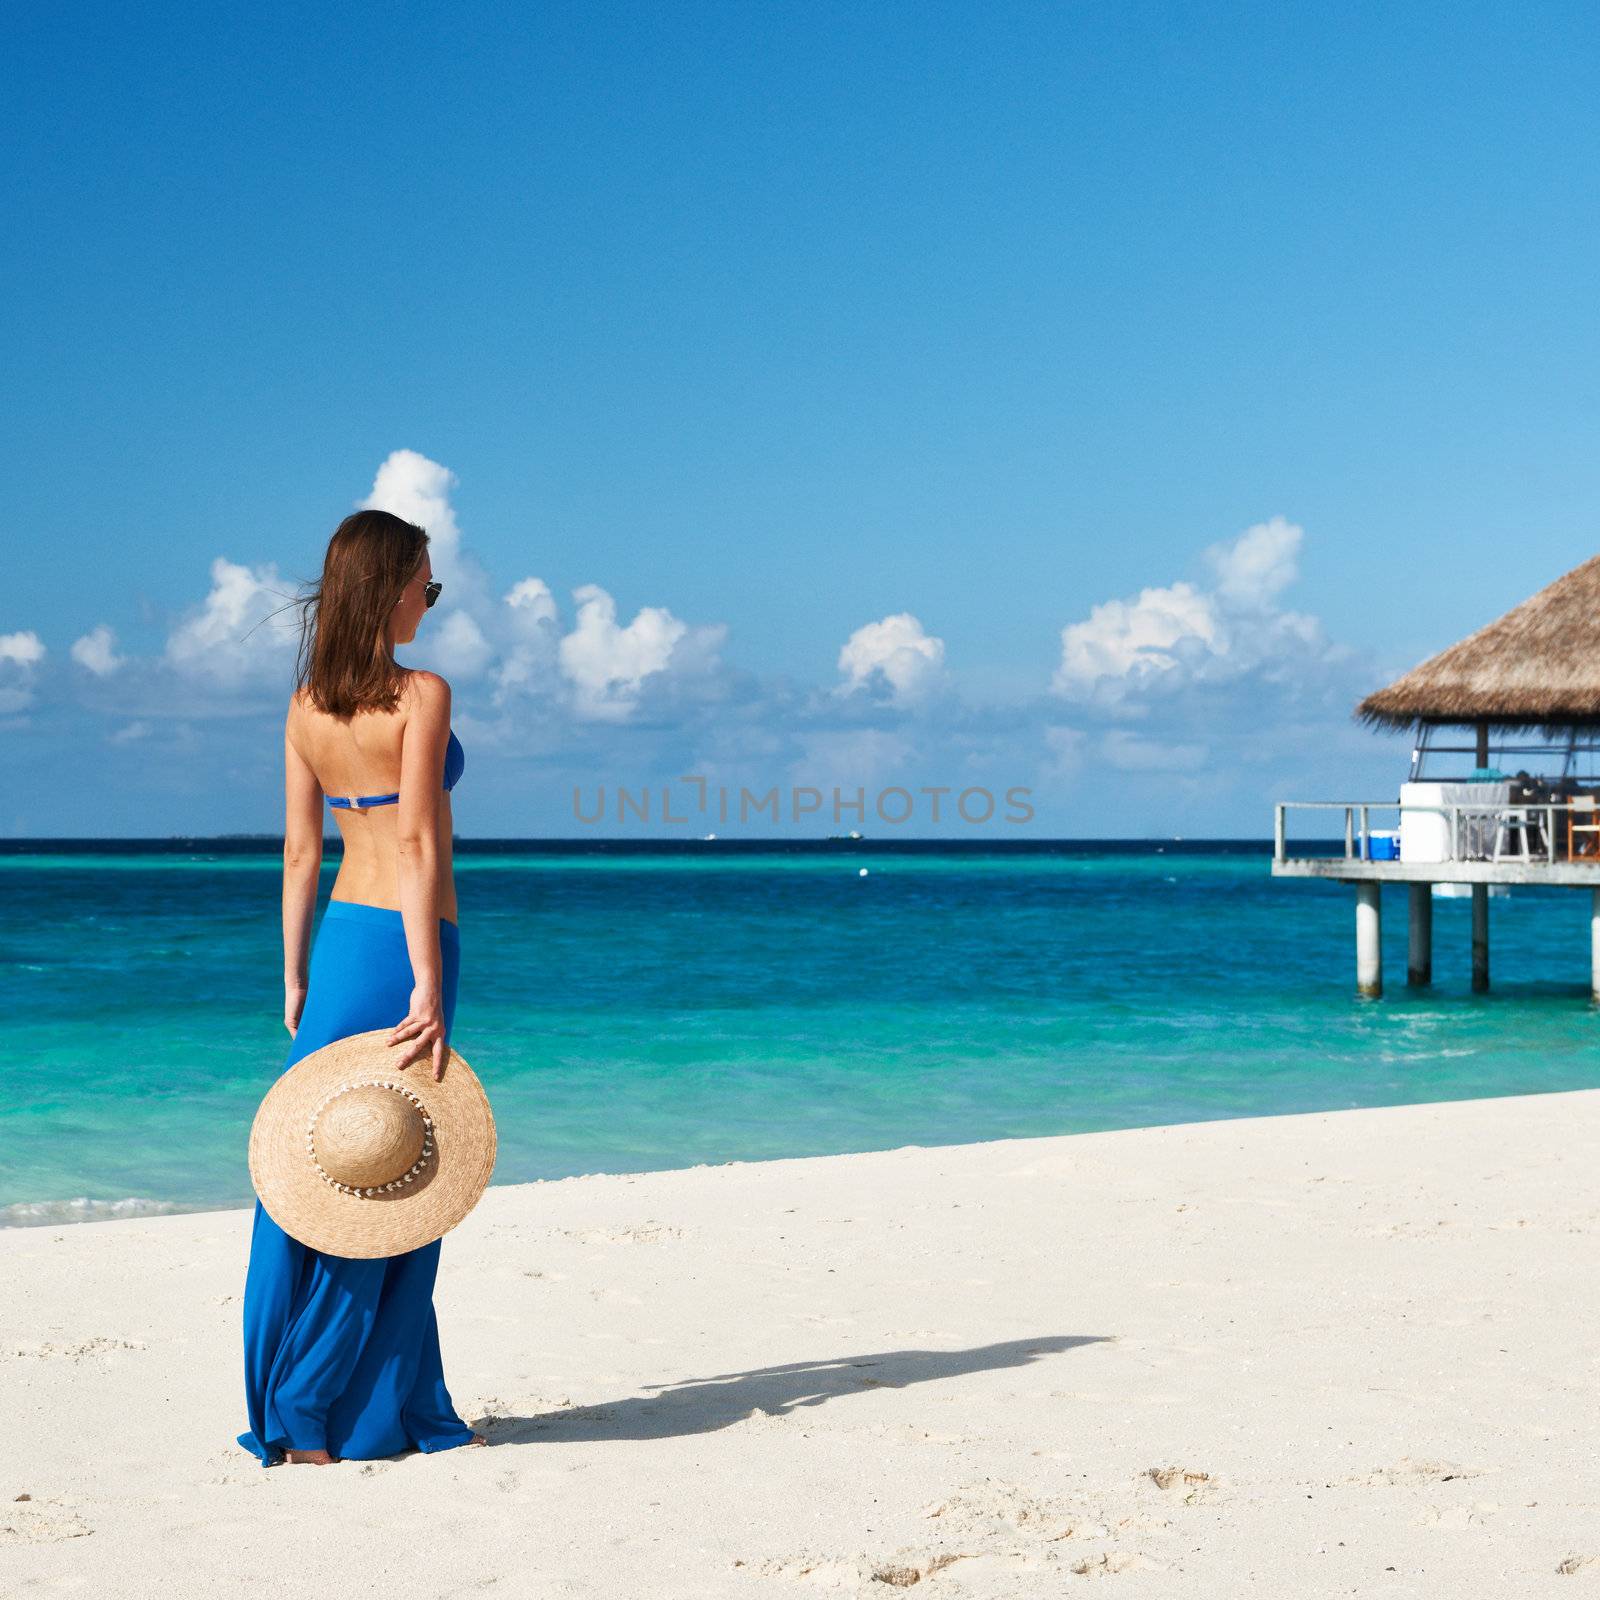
(1521,827)
(1583,829)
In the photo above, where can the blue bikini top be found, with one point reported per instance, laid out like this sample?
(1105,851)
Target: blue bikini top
(455,759)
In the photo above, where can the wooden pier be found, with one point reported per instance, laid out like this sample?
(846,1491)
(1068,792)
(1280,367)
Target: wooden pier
(1369,876)
(1506,811)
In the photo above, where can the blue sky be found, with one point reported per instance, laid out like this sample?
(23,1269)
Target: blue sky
(860,395)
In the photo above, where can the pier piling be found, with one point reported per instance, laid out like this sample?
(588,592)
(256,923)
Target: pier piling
(1480,938)
(1419,951)
(1369,940)
(1594,943)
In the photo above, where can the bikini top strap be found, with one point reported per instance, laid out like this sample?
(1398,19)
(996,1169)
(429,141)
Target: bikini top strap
(360,802)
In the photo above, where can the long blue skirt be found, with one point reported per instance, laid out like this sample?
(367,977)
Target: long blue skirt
(339,1354)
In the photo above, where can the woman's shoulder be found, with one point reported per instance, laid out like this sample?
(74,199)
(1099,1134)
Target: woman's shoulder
(429,682)
(418,689)
(425,689)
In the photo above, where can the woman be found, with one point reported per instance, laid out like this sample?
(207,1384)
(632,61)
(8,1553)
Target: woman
(342,1356)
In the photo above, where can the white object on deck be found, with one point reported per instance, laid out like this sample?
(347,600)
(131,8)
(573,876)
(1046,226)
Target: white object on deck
(1425,835)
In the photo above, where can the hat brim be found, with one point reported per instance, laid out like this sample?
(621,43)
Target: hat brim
(308,1208)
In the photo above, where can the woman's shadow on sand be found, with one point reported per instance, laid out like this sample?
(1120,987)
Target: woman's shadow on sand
(702,1405)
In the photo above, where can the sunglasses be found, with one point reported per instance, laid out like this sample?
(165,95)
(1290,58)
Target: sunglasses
(430,591)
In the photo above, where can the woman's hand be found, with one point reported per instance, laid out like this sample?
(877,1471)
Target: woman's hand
(422,1030)
(294,1002)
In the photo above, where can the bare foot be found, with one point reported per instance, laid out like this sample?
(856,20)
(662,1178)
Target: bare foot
(476,1439)
(309,1458)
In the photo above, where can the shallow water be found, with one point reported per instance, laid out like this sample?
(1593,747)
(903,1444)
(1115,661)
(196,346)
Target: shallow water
(632,1011)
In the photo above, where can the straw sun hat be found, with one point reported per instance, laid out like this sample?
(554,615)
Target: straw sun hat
(356,1158)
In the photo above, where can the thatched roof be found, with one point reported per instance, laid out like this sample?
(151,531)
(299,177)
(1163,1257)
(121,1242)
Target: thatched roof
(1539,665)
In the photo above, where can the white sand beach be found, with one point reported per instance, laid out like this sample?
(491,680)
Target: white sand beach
(1350,1353)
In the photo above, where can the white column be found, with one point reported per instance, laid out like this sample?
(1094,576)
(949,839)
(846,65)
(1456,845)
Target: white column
(1594,944)
(1369,940)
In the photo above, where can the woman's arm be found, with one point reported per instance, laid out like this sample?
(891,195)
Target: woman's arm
(422,750)
(302,867)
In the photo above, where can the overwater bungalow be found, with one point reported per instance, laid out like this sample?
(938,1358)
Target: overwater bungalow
(1503,785)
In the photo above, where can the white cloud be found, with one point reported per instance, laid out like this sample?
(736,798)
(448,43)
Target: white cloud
(849,759)
(242,635)
(1170,638)
(1126,751)
(530,658)
(459,647)
(25,649)
(20,653)
(896,651)
(409,485)
(607,664)
(531,601)
(1220,681)
(1065,748)
(97,650)
(227,639)
(1136,639)
(1178,706)
(1255,568)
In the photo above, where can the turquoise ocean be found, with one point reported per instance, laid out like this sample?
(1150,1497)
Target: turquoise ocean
(632,1008)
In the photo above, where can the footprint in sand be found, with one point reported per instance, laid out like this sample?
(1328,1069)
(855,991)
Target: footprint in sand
(234,1466)
(26,1521)
(1114,1561)
(1473,1516)
(1575,1564)
(491,1415)
(640,1233)
(1407,1471)
(78,1350)
(983,1512)
(901,1571)
(822,1571)
(999,1508)
(1185,1484)
(1423,1229)
(990,1527)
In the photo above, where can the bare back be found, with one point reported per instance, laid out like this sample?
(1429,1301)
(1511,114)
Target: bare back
(359,756)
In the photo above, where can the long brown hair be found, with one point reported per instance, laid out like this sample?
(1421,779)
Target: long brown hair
(345,664)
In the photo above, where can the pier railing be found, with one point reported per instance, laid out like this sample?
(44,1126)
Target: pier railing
(1474,832)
